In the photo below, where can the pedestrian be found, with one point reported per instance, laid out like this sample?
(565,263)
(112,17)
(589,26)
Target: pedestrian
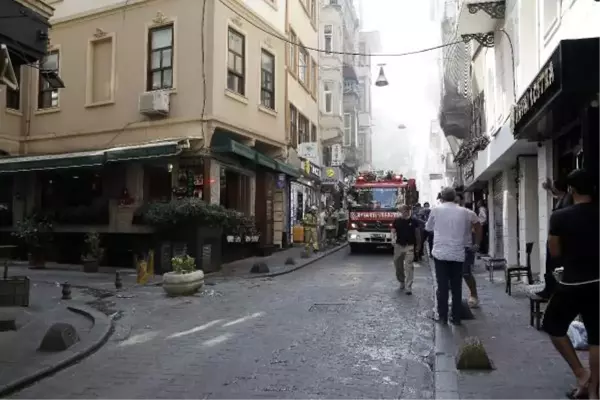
(415,212)
(482,213)
(449,222)
(573,237)
(562,199)
(322,226)
(423,216)
(406,233)
(469,256)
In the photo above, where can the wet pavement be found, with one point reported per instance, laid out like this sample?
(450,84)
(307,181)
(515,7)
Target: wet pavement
(339,328)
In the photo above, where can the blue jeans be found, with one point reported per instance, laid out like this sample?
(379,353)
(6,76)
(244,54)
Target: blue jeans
(448,275)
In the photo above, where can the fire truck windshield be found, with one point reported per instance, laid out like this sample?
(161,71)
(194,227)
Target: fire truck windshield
(375,198)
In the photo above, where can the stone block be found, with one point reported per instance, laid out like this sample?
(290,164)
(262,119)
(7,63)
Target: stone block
(259,268)
(290,261)
(59,337)
(472,356)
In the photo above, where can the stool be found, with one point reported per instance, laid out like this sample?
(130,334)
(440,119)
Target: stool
(535,310)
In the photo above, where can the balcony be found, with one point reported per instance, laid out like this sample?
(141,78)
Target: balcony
(351,87)
(477,20)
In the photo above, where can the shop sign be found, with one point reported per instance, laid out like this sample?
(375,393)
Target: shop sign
(337,155)
(311,169)
(540,86)
(331,175)
(309,151)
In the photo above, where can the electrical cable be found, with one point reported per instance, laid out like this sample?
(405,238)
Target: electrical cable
(286,40)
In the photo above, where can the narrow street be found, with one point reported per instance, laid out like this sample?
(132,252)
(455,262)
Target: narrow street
(339,328)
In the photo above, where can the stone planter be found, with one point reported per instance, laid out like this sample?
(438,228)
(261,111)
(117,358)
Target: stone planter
(176,284)
(90,265)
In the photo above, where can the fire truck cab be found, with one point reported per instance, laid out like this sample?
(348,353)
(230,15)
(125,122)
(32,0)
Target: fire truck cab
(373,201)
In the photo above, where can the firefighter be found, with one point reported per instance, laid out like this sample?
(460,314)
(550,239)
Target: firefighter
(310,223)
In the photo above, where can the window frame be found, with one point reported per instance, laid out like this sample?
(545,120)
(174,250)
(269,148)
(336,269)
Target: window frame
(151,51)
(263,88)
(14,95)
(313,77)
(304,52)
(326,36)
(240,76)
(313,133)
(292,55)
(42,90)
(328,92)
(347,139)
(303,129)
(293,125)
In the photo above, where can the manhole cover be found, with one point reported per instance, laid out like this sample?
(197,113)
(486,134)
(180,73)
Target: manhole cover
(329,308)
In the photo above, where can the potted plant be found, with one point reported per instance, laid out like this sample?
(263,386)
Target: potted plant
(36,233)
(185,279)
(93,252)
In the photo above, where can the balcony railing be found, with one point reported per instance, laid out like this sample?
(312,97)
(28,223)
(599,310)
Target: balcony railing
(351,87)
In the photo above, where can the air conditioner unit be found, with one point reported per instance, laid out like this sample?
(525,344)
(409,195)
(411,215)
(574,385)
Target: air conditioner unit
(155,103)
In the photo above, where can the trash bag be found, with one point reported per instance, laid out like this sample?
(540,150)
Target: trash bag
(578,335)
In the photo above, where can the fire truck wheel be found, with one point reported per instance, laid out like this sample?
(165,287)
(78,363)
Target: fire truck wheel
(355,248)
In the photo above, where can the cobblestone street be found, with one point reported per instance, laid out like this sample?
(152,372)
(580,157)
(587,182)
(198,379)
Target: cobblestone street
(339,328)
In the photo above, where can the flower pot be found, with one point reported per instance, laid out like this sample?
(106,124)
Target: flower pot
(176,284)
(90,265)
(37,260)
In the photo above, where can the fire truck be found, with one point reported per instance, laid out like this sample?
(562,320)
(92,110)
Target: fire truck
(373,200)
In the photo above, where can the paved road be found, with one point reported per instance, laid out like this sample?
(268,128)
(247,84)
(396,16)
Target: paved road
(337,329)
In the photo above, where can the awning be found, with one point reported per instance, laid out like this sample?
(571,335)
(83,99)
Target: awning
(265,161)
(226,145)
(142,152)
(288,169)
(52,161)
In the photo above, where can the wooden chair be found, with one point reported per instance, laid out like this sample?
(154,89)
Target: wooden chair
(519,271)
(535,310)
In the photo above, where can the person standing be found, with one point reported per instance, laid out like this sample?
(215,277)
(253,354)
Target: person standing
(562,199)
(415,212)
(482,213)
(573,238)
(406,234)
(469,256)
(425,236)
(449,222)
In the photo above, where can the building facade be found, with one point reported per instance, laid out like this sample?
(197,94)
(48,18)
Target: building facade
(160,95)
(534,112)
(369,43)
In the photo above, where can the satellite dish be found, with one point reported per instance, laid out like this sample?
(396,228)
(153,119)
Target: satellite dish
(7,72)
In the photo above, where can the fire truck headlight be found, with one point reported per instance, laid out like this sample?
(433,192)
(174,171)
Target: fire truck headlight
(353,226)
(352,237)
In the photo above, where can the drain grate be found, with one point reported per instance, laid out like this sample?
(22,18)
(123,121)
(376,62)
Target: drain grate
(329,307)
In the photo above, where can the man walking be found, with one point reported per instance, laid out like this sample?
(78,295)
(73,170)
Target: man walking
(406,234)
(423,216)
(449,222)
(573,238)
(483,219)
(469,256)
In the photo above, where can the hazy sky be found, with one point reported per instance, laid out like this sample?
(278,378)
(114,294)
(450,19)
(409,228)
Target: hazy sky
(412,95)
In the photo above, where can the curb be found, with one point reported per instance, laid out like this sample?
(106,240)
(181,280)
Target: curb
(308,262)
(445,374)
(99,334)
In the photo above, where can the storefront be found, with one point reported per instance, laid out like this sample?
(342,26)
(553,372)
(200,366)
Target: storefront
(561,105)
(304,193)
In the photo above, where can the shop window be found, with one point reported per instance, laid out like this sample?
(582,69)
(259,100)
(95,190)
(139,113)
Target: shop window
(74,198)
(6,201)
(157,181)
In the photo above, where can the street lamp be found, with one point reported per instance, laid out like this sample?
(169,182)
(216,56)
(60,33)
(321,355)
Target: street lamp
(381,79)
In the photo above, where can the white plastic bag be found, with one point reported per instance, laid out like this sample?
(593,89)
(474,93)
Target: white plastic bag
(578,335)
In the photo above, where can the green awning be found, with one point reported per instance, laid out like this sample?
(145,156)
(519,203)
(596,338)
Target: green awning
(52,161)
(145,151)
(265,161)
(227,145)
(287,169)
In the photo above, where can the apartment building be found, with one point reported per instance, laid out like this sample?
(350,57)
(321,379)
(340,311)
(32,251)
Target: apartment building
(159,95)
(369,43)
(534,112)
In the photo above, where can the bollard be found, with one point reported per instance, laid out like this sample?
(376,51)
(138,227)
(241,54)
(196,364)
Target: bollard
(118,281)
(66,291)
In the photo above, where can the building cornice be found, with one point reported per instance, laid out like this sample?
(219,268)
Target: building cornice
(39,6)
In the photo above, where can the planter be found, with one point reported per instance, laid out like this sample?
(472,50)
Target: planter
(90,265)
(176,284)
(37,260)
(14,292)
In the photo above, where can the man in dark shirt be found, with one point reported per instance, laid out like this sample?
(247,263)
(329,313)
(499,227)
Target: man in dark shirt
(406,236)
(573,238)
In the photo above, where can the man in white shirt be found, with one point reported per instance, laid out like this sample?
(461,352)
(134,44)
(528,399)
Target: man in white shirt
(446,222)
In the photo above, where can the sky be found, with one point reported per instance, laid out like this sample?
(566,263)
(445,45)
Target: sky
(412,96)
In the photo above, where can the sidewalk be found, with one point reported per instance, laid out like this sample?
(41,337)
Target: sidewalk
(526,364)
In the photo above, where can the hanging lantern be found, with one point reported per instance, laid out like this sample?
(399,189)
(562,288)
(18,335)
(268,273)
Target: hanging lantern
(381,79)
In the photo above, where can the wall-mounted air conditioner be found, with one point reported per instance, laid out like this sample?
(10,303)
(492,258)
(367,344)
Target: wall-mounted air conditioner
(155,103)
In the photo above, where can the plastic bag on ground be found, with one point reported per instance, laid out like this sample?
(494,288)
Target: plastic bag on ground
(578,335)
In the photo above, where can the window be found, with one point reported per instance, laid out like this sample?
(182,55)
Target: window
(267,80)
(550,15)
(292,53)
(160,58)
(362,93)
(333,2)
(48,96)
(293,126)
(328,97)
(312,8)
(328,35)
(347,129)
(313,133)
(100,71)
(303,129)
(236,62)
(13,97)
(303,65)
(313,78)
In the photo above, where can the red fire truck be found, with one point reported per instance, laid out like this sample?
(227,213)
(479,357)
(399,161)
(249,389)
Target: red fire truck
(374,199)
